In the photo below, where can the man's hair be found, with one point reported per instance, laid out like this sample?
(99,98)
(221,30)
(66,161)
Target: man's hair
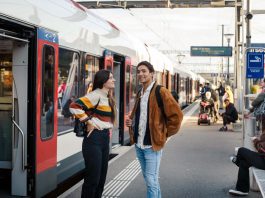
(148,65)
(227,99)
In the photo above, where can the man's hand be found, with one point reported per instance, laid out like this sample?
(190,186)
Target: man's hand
(128,122)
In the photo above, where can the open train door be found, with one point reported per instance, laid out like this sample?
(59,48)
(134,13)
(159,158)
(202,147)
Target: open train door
(46,112)
(14,66)
(127,99)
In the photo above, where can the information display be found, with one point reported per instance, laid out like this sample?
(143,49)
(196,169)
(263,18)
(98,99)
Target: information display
(210,51)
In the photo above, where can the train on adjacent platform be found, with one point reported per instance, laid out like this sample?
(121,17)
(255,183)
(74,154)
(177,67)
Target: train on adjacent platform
(49,53)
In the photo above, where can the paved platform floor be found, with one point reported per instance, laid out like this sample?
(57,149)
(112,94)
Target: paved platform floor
(195,164)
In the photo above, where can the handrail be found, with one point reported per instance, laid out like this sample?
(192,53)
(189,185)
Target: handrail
(23,143)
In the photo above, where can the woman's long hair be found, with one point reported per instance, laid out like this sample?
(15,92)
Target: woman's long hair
(101,77)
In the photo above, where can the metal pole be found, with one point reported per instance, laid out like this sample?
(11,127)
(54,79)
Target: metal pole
(248,43)
(228,73)
(222,69)
(222,35)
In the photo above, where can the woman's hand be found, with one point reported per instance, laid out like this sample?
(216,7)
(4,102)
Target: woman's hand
(128,122)
(91,126)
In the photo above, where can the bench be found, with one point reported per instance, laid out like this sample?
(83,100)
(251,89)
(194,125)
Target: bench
(260,179)
(237,126)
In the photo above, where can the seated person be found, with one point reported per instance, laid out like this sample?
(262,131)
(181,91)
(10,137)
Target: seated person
(207,103)
(246,158)
(230,114)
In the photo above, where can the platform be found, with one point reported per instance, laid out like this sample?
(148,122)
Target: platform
(195,164)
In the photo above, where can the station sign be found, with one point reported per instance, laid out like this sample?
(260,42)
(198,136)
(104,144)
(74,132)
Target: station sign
(220,75)
(255,63)
(210,51)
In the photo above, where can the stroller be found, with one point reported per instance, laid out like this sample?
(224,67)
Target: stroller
(206,112)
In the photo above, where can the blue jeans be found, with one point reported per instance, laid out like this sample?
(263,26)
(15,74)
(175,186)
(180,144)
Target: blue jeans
(150,163)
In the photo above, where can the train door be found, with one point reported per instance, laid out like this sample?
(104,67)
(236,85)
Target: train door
(128,95)
(117,94)
(116,64)
(13,114)
(46,115)
(14,66)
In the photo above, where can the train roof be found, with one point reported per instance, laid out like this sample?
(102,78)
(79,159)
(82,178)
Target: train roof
(77,27)
(82,30)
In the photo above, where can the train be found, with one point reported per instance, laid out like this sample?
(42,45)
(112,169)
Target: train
(49,53)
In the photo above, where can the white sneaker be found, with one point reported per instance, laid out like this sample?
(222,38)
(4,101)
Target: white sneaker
(237,193)
(233,159)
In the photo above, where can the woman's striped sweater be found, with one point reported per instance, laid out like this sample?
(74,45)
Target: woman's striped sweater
(83,106)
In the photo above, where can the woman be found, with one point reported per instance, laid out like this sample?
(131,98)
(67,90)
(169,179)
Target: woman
(95,146)
(246,158)
(89,87)
(228,94)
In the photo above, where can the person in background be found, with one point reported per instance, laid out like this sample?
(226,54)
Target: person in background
(202,91)
(95,146)
(149,128)
(221,92)
(230,114)
(215,98)
(228,95)
(61,90)
(244,159)
(89,87)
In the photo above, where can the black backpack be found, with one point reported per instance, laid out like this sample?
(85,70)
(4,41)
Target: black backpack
(159,99)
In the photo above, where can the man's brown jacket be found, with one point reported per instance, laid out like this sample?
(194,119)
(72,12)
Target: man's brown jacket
(160,128)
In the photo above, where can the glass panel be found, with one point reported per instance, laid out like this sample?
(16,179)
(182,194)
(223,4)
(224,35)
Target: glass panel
(172,82)
(158,77)
(91,67)
(67,87)
(134,87)
(89,62)
(6,82)
(47,117)
(127,81)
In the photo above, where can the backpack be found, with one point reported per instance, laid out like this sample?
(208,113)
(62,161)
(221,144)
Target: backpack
(160,101)
(80,127)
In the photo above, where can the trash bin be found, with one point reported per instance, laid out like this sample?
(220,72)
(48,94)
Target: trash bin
(249,131)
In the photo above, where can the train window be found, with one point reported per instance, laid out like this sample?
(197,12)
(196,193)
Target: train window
(159,77)
(67,87)
(173,77)
(91,67)
(47,117)
(134,82)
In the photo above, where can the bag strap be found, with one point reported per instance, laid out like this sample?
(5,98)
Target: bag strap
(94,108)
(159,100)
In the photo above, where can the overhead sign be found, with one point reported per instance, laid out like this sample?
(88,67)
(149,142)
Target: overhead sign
(210,51)
(255,64)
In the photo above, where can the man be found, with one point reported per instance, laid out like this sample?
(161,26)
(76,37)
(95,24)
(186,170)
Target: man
(221,92)
(150,127)
(230,114)
(215,98)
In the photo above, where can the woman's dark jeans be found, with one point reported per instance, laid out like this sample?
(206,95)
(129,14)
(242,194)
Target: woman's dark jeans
(95,150)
